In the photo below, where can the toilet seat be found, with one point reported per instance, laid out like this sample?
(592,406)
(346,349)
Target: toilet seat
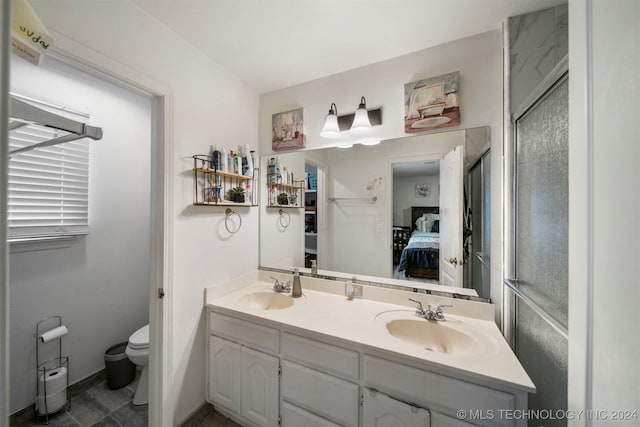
(139,340)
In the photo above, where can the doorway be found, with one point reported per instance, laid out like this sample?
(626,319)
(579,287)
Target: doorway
(416,189)
(154,199)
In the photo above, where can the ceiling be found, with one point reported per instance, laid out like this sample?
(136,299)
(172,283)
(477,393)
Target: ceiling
(272,44)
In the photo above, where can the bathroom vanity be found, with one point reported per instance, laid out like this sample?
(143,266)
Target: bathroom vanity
(327,360)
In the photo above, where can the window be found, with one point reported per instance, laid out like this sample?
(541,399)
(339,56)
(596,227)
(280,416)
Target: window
(48,187)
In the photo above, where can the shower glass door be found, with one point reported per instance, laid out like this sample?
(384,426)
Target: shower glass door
(538,251)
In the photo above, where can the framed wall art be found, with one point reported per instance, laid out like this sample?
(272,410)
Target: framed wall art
(287,130)
(432,103)
(423,190)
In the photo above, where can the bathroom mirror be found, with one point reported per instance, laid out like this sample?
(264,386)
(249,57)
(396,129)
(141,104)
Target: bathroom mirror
(359,207)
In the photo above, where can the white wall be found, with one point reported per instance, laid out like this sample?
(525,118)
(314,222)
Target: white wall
(604,207)
(209,106)
(404,197)
(99,285)
(479,60)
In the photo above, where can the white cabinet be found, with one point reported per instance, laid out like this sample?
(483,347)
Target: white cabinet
(380,410)
(323,394)
(439,393)
(325,385)
(260,391)
(244,381)
(441,420)
(224,373)
(294,416)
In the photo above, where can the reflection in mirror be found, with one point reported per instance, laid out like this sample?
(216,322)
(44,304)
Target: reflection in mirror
(409,208)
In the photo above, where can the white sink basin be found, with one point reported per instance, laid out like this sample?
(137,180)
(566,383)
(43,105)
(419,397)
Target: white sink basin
(267,300)
(450,337)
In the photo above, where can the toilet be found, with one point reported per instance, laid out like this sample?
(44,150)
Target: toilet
(138,352)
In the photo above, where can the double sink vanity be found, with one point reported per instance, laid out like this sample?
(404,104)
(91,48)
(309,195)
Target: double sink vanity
(328,358)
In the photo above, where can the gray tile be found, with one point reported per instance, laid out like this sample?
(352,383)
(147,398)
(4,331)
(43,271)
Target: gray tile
(87,383)
(130,415)
(207,416)
(94,404)
(61,419)
(107,421)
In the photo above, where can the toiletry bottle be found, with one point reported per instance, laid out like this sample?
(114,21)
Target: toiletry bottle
(245,161)
(238,164)
(249,160)
(297,287)
(278,171)
(271,171)
(232,162)
(223,159)
(229,161)
(216,158)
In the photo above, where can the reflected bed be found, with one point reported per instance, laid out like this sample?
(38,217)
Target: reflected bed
(420,258)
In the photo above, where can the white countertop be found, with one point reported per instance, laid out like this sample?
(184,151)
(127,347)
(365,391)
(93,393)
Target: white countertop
(363,322)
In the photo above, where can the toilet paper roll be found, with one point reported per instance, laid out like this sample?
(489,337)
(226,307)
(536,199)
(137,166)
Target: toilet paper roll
(54,333)
(55,379)
(54,402)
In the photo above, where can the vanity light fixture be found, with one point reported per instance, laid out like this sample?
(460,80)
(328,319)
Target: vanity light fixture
(361,123)
(331,128)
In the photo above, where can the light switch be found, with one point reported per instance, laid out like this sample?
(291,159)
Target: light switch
(379,227)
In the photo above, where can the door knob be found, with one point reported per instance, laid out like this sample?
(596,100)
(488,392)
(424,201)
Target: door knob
(453,261)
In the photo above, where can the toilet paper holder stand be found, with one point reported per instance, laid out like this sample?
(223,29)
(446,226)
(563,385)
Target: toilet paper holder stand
(44,367)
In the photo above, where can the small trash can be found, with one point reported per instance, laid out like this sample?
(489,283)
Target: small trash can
(120,370)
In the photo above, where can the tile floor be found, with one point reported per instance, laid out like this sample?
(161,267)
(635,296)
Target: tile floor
(93,404)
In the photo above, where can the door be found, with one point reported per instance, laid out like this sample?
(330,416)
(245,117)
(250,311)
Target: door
(224,373)
(260,389)
(451,205)
(537,256)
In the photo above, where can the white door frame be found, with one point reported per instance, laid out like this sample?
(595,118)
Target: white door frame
(4,172)
(160,366)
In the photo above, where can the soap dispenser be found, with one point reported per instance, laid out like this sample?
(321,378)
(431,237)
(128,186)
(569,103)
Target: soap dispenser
(297,288)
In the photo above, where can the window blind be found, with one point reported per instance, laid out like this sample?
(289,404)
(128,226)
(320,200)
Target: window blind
(48,187)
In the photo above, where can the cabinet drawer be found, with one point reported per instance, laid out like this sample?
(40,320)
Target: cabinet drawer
(322,356)
(431,390)
(380,410)
(251,334)
(331,397)
(293,416)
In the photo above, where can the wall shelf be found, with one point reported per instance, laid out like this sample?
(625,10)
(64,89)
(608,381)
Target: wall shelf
(294,193)
(213,187)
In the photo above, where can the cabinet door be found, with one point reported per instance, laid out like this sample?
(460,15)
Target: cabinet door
(440,420)
(260,390)
(380,410)
(224,373)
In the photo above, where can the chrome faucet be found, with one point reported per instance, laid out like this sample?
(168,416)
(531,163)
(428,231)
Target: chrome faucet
(297,287)
(429,314)
(281,287)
